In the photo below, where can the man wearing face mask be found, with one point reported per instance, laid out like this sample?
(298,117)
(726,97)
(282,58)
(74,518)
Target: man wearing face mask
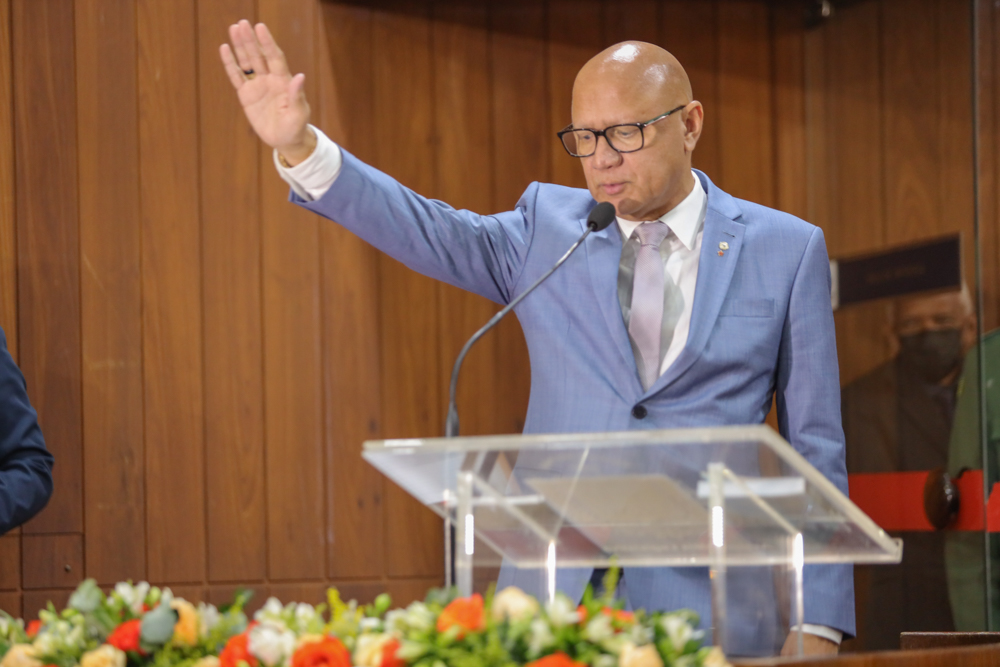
(899,418)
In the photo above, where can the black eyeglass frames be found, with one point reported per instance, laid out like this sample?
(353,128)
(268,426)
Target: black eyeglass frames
(624,138)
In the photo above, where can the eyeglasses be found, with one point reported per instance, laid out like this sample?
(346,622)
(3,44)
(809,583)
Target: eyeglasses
(624,138)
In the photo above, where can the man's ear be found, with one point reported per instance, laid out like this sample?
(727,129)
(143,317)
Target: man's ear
(694,119)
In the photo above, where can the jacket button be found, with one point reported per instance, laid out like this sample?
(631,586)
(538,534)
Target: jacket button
(639,412)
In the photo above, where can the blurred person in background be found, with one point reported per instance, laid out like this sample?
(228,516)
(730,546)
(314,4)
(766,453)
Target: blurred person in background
(899,418)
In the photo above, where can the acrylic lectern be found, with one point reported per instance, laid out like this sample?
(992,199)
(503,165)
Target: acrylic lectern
(721,498)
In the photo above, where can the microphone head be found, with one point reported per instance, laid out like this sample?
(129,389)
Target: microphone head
(601,216)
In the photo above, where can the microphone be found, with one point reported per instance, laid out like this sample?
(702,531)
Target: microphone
(599,218)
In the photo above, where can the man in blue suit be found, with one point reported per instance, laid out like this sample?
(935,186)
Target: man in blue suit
(25,464)
(694,310)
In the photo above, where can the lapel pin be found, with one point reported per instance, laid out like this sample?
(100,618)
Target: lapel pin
(723,246)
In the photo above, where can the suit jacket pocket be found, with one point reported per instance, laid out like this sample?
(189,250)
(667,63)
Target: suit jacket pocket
(748,308)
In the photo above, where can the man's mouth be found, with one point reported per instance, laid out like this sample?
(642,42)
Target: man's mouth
(612,188)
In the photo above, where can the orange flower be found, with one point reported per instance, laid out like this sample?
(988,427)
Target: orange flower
(466,613)
(126,637)
(327,652)
(236,651)
(619,615)
(558,659)
(389,657)
(33,628)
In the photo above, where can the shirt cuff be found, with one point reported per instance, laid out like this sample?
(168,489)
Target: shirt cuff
(836,636)
(311,178)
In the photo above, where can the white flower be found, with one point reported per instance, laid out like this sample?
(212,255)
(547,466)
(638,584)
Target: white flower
(639,634)
(540,637)
(642,656)
(679,631)
(370,624)
(514,604)
(562,611)
(209,618)
(270,611)
(305,616)
(598,629)
(419,617)
(271,643)
(368,652)
(133,596)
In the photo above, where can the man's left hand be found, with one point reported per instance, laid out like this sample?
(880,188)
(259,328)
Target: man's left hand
(811,644)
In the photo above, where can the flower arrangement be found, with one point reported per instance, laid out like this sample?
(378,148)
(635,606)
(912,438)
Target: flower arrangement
(144,626)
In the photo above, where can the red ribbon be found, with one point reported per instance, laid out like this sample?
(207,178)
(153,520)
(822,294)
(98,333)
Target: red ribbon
(895,501)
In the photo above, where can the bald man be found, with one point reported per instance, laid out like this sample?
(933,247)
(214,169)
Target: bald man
(695,309)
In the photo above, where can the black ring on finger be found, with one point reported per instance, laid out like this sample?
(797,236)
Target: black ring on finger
(248,72)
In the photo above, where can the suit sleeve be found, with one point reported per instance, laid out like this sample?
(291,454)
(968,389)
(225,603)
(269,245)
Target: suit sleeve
(808,402)
(25,463)
(479,253)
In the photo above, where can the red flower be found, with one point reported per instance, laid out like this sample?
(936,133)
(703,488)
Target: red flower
(466,613)
(559,659)
(126,637)
(389,657)
(327,652)
(235,651)
(33,628)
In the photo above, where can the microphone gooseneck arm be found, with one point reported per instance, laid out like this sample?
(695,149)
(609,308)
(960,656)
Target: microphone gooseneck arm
(600,217)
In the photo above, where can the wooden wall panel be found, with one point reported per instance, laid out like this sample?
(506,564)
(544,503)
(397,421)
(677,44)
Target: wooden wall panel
(111,295)
(8,221)
(790,123)
(853,176)
(989,114)
(351,331)
(293,387)
(464,159)
(231,270)
(11,603)
(745,115)
(624,20)
(574,37)
(52,561)
(911,120)
(953,23)
(48,244)
(171,281)
(409,303)
(10,563)
(697,48)
(521,137)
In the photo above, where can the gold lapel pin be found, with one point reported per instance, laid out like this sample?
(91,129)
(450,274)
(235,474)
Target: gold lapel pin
(723,245)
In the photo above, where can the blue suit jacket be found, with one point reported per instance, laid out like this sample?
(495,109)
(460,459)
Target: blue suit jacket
(761,326)
(25,464)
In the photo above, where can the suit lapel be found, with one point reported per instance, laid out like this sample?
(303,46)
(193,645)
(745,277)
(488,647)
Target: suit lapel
(715,272)
(604,252)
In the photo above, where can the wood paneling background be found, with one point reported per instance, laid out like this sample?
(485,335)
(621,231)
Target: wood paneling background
(206,358)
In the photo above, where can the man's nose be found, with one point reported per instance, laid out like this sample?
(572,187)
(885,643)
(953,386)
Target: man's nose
(604,155)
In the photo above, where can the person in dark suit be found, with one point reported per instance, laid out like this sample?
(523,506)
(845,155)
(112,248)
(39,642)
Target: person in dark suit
(899,418)
(25,463)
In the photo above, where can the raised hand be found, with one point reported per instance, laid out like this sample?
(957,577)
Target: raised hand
(272,99)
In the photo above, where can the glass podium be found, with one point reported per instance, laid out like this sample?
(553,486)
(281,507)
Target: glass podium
(721,498)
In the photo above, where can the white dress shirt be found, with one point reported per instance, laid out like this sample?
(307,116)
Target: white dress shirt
(680,251)
(311,178)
